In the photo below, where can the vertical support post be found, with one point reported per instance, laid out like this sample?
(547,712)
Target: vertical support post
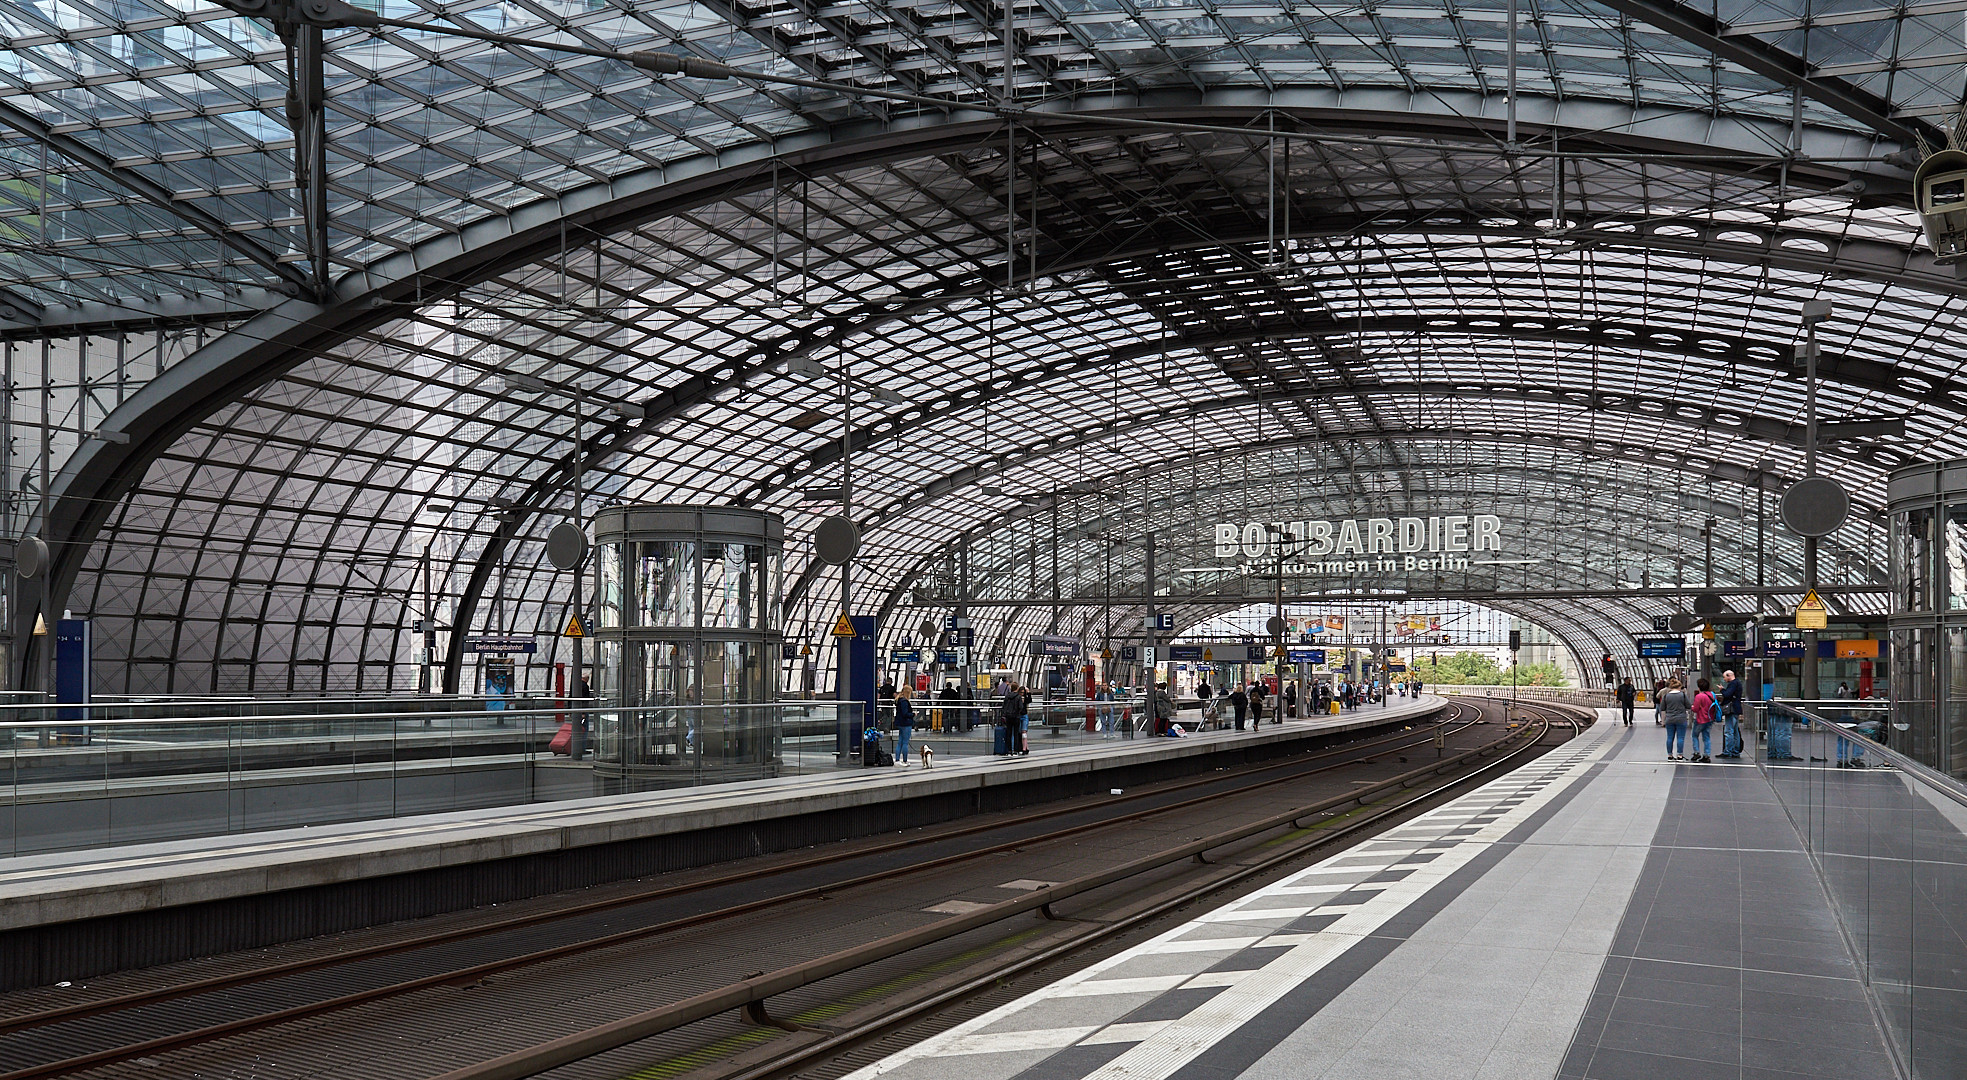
(1809,689)
(1509,138)
(429,628)
(307,114)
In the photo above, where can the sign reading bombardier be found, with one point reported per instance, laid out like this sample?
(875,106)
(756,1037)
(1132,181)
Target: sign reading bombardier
(1364,545)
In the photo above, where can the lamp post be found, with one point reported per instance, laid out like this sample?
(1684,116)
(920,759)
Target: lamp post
(520,383)
(1814,312)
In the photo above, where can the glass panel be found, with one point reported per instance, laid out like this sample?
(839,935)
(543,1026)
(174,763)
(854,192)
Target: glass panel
(607,683)
(1915,685)
(731,585)
(1912,552)
(612,575)
(665,583)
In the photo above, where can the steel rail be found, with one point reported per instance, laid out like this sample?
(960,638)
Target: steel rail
(754,991)
(898,1014)
(209,984)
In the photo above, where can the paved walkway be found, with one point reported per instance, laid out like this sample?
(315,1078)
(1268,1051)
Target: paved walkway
(1599,913)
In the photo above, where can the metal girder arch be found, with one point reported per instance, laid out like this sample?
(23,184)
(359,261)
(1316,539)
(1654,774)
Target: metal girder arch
(99,474)
(1865,375)
(1020,455)
(1704,31)
(1634,453)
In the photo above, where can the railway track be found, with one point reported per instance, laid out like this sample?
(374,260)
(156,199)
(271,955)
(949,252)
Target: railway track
(139,1025)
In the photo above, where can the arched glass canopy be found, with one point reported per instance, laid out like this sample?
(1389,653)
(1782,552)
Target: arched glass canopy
(1028,331)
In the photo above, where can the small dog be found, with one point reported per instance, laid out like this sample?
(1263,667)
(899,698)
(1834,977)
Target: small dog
(928,757)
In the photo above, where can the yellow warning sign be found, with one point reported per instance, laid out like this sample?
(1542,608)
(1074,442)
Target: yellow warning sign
(1208,654)
(1106,654)
(843,627)
(1811,614)
(574,627)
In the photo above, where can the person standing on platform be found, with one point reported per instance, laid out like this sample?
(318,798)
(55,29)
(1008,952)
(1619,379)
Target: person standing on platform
(1104,695)
(1164,710)
(1022,737)
(1627,695)
(954,714)
(1257,696)
(1673,710)
(904,725)
(1291,700)
(1701,744)
(1731,716)
(1239,704)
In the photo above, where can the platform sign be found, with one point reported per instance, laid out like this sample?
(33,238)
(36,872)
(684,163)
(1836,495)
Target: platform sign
(1736,650)
(1306,656)
(1255,653)
(904,656)
(788,651)
(1130,653)
(1662,624)
(1662,648)
(946,657)
(501,645)
(1812,613)
(1159,621)
(1789,649)
(1185,653)
(1856,648)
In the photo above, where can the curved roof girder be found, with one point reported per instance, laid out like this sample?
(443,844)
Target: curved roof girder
(1634,453)
(99,473)
(1020,455)
(1703,30)
(1608,403)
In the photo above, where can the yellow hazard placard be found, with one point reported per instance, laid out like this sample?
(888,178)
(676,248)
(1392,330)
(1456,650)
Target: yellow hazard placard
(1208,654)
(843,627)
(1812,614)
(1106,654)
(574,627)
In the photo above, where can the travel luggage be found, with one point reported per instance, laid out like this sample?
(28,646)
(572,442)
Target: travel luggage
(563,740)
(1001,743)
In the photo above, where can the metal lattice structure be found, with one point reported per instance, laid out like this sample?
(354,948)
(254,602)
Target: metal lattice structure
(1143,270)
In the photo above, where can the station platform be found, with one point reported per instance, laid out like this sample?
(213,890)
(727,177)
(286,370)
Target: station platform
(71,914)
(1598,913)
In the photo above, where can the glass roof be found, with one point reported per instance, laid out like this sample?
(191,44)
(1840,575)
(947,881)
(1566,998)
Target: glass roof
(1389,311)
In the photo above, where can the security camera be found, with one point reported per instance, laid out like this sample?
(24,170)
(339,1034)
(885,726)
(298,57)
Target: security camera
(1939,193)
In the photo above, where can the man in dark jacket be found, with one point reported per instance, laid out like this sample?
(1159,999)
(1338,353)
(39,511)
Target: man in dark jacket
(1627,694)
(1731,714)
(1240,702)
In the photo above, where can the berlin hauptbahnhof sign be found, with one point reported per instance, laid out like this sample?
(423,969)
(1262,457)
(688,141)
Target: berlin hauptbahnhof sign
(1364,545)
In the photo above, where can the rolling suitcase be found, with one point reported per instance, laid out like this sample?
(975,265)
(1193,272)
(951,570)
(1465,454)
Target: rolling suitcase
(1001,741)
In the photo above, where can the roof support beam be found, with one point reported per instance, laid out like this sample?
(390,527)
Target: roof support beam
(1711,34)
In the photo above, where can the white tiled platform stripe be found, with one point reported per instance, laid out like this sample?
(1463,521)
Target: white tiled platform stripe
(1014,1036)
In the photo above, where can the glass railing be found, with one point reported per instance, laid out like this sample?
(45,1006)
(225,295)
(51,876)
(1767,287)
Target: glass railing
(90,776)
(1888,837)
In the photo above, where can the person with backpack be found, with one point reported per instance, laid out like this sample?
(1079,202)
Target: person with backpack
(1164,710)
(1731,715)
(1627,695)
(1257,695)
(1706,712)
(1239,703)
(1672,710)
(1010,708)
(904,724)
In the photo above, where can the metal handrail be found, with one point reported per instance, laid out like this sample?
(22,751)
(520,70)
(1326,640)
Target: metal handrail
(496,714)
(1933,778)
